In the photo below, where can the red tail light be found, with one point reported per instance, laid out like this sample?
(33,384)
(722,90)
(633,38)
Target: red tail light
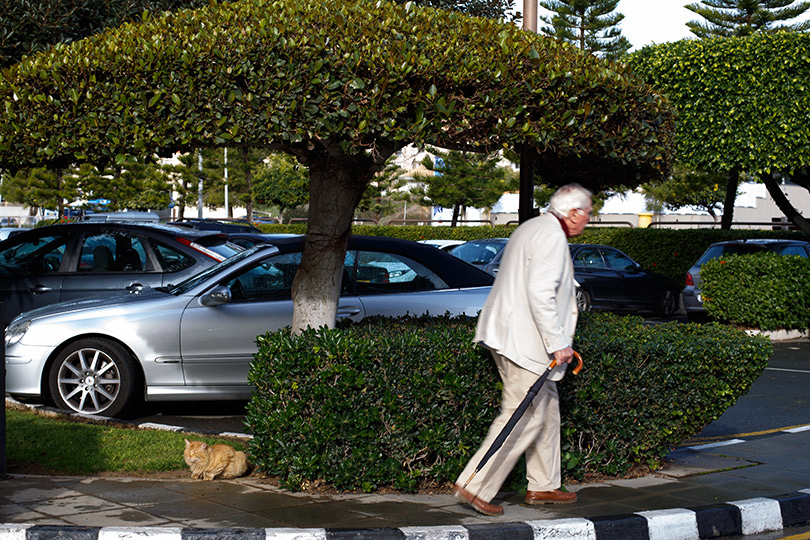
(689,280)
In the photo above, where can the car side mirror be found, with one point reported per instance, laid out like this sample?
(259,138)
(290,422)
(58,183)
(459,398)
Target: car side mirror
(217,296)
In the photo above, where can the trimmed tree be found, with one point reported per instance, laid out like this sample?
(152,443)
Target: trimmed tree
(742,106)
(340,85)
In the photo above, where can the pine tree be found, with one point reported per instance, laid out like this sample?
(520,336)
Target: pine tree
(726,18)
(465,179)
(590,24)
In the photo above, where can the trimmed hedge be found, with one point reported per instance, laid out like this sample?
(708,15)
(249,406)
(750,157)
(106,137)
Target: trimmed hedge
(666,251)
(761,290)
(404,403)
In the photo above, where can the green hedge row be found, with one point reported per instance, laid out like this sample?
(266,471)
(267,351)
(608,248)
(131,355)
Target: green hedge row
(404,403)
(762,290)
(666,251)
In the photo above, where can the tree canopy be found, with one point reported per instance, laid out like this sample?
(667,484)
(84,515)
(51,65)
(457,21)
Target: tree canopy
(743,104)
(590,24)
(340,85)
(727,18)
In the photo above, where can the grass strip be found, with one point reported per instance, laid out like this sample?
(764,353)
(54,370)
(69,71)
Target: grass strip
(71,447)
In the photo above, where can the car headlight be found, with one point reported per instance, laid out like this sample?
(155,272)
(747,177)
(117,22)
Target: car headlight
(15,332)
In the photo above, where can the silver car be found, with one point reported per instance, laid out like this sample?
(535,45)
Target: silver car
(195,341)
(692,297)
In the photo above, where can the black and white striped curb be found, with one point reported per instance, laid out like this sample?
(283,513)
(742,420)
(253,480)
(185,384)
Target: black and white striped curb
(751,516)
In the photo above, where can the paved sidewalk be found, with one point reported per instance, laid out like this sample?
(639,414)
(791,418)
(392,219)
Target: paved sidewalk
(753,474)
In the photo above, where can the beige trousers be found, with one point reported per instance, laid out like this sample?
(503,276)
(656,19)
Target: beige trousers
(537,434)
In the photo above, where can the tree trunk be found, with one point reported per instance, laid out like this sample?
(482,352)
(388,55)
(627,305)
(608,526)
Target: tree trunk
(784,204)
(336,184)
(454,219)
(60,201)
(731,196)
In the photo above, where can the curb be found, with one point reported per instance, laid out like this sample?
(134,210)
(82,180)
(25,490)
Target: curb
(746,517)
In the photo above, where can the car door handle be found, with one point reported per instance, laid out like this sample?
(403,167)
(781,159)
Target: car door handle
(348,311)
(40,289)
(135,288)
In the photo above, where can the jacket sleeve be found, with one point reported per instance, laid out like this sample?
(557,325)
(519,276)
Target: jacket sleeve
(546,272)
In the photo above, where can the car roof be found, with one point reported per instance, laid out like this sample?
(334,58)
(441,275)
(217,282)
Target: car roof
(762,242)
(160,228)
(451,268)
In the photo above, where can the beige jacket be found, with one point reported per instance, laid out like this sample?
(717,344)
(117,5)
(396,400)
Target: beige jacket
(532,310)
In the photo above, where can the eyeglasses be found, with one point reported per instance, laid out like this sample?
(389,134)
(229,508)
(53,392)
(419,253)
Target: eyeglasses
(583,212)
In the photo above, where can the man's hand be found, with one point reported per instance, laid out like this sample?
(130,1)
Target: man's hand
(564,356)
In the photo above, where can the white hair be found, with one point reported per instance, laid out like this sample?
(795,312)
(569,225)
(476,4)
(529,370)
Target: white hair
(569,197)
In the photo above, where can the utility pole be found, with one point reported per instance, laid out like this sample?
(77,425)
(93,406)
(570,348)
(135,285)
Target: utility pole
(199,184)
(227,206)
(527,155)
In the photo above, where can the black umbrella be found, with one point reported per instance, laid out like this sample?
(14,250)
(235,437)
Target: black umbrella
(510,425)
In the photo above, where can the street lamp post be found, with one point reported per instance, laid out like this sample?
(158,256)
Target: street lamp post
(527,155)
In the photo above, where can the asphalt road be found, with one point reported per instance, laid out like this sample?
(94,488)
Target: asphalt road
(780,398)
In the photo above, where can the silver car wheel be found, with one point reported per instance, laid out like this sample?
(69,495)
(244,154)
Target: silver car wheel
(583,300)
(92,377)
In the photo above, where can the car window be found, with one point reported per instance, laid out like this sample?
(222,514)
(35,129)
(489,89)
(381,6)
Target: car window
(729,249)
(112,251)
(170,259)
(269,279)
(617,260)
(40,255)
(379,273)
(589,257)
(792,250)
(477,253)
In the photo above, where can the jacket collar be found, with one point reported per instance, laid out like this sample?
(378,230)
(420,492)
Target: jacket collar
(562,224)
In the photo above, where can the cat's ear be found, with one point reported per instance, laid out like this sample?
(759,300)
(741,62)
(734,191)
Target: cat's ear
(188,443)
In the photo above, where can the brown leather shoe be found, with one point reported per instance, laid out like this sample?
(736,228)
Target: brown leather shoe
(550,497)
(477,504)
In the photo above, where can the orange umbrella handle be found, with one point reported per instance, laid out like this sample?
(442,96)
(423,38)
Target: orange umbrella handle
(576,369)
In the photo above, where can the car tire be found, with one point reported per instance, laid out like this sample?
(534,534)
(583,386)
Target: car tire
(583,300)
(93,376)
(666,304)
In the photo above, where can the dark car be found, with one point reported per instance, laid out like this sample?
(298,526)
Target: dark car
(609,280)
(692,299)
(195,341)
(248,240)
(221,225)
(74,260)
(485,254)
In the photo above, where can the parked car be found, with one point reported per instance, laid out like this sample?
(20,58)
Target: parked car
(74,260)
(8,232)
(692,299)
(445,245)
(248,240)
(195,340)
(485,254)
(221,225)
(609,280)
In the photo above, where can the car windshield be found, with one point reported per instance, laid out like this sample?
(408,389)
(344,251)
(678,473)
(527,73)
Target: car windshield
(196,279)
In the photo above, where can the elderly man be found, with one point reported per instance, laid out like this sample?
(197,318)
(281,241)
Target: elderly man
(529,319)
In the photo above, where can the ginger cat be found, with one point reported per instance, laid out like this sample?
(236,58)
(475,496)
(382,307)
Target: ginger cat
(214,461)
